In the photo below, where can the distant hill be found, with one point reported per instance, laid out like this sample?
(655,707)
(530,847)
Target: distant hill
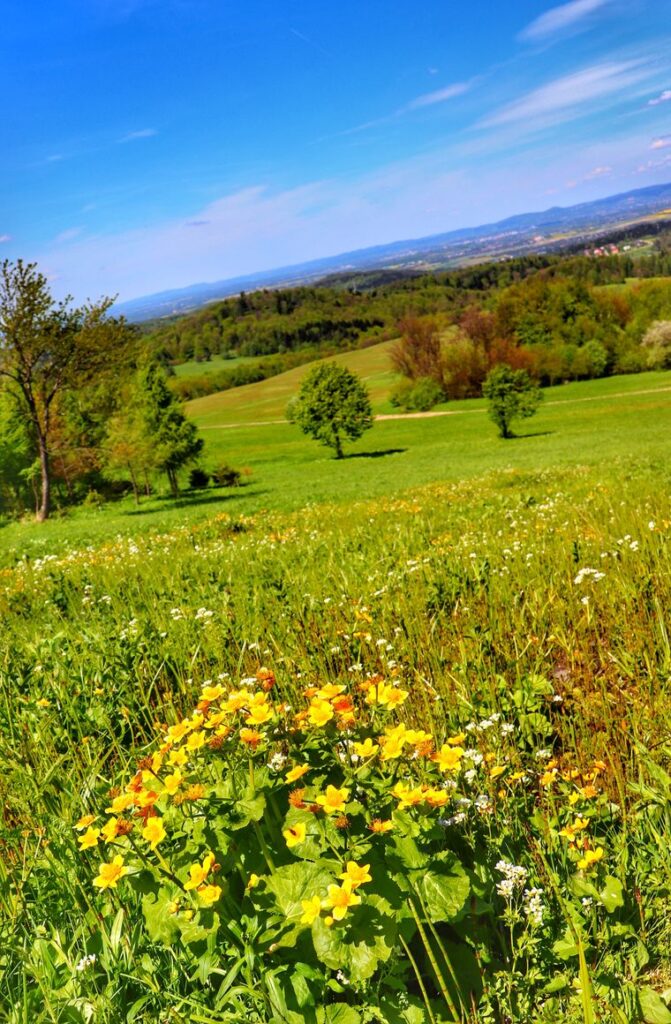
(546,231)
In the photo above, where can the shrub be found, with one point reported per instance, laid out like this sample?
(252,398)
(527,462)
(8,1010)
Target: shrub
(417,396)
(198,478)
(225,476)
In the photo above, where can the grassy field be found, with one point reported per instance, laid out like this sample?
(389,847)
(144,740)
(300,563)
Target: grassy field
(213,365)
(499,646)
(268,399)
(593,423)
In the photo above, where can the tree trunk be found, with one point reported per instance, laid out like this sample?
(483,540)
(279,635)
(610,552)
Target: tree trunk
(45,502)
(133,480)
(172,477)
(338,444)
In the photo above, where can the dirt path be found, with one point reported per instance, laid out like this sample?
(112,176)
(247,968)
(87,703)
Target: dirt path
(446,412)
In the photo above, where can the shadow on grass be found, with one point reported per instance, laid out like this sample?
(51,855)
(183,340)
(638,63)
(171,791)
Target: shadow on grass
(376,455)
(194,499)
(523,437)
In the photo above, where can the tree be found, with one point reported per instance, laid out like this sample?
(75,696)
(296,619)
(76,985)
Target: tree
(175,438)
(332,403)
(49,349)
(511,395)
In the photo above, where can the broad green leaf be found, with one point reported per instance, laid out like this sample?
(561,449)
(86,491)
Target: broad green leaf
(162,926)
(612,895)
(340,1013)
(295,882)
(365,939)
(443,890)
(653,1008)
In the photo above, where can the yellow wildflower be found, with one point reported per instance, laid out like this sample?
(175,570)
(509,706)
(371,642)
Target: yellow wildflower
(209,894)
(297,772)
(591,858)
(366,749)
(295,834)
(84,822)
(340,898)
(311,909)
(89,839)
(199,872)
(320,712)
(356,874)
(154,832)
(333,800)
(448,758)
(109,874)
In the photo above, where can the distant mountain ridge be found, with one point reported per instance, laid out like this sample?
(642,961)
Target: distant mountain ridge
(513,236)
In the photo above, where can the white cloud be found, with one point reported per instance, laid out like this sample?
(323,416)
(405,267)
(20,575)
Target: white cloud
(143,133)
(560,18)
(68,235)
(662,143)
(558,98)
(598,172)
(439,96)
(5,238)
(664,97)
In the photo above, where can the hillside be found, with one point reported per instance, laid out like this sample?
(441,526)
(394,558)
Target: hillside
(266,401)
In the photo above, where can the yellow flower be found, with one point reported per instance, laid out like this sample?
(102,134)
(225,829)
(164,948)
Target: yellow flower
(591,858)
(406,796)
(178,758)
(311,909)
(173,782)
(297,772)
(340,898)
(570,831)
(154,832)
(210,693)
(209,894)
(497,770)
(366,749)
(456,741)
(356,874)
(251,736)
(333,800)
(89,839)
(436,797)
(417,737)
(547,778)
(320,712)
(121,803)
(195,741)
(329,691)
(178,732)
(259,714)
(236,700)
(379,826)
(84,822)
(109,830)
(199,872)
(109,874)
(253,881)
(448,758)
(295,834)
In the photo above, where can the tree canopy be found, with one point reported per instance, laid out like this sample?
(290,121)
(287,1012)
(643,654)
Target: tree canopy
(332,404)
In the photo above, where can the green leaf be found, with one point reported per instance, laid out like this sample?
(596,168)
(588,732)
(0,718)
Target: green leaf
(162,926)
(612,895)
(339,1013)
(364,940)
(411,1014)
(653,1008)
(443,890)
(295,882)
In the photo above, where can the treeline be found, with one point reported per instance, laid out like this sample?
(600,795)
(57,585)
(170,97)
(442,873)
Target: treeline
(290,326)
(554,324)
(84,411)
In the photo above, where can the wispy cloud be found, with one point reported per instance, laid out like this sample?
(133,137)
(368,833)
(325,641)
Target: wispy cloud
(429,99)
(664,97)
(68,235)
(557,99)
(661,143)
(5,238)
(598,172)
(143,133)
(558,19)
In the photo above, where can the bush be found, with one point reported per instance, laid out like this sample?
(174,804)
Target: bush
(418,396)
(198,478)
(225,476)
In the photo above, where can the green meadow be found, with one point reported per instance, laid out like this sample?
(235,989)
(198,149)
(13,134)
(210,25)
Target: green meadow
(382,740)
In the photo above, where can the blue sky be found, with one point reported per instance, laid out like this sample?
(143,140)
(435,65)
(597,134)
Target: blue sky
(150,144)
